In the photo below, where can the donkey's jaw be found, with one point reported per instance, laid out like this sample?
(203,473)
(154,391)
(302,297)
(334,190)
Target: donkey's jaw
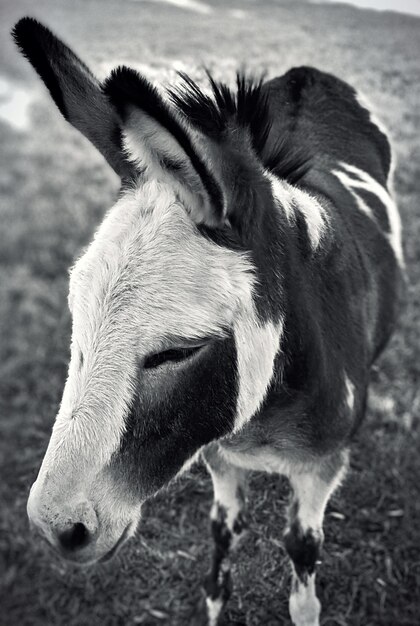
(127,533)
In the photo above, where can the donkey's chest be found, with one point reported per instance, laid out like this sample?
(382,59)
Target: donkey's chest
(288,436)
(260,458)
(271,447)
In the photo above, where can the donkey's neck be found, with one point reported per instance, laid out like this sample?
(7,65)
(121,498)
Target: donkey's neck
(302,252)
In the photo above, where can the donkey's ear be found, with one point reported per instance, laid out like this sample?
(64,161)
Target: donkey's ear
(163,145)
(74,89)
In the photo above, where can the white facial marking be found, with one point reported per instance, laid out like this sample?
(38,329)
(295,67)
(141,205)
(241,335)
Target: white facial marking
(349,392)
(304,606)
(291,199)
(353,178)
(147,276)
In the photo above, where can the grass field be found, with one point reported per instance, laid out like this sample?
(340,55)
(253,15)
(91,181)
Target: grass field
(54,190)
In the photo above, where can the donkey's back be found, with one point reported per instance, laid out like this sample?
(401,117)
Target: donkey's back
(351,170)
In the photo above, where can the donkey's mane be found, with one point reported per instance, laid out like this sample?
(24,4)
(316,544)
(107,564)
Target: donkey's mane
(246,107)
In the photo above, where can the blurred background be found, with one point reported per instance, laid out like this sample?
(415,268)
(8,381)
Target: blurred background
(54,190)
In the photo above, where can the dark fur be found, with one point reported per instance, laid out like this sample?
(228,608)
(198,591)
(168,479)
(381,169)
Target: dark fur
(246,108)
(74,89)
(304,549)
(174,415)
(33,40)
(325,119)
(340,304)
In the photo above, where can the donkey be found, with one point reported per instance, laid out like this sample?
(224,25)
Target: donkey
(230,305)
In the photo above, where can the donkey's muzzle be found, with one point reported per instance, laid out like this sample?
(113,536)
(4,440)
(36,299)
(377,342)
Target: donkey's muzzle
(75,528)
(71,527)
(74,538)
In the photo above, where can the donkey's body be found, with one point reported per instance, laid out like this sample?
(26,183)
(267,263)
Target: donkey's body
(232,303)
(339,301)
(339,307)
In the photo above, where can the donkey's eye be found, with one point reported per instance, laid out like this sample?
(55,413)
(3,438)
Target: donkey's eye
(175,355)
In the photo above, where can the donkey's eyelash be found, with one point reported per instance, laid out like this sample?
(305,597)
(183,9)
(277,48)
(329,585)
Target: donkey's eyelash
(174,355)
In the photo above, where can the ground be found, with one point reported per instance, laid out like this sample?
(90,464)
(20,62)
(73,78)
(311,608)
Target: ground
(54,190)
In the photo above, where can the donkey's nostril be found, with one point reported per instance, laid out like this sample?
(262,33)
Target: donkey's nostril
(74,538)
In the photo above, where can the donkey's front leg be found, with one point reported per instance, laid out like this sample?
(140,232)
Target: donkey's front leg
(227,525)
(304,536)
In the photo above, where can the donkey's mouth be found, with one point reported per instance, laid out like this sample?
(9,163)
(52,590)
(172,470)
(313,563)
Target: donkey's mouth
(87,558)
(116,547)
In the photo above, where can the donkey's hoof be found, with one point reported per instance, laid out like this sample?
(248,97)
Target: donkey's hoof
(208,612)
(199,615)
(304,611)
(214,611)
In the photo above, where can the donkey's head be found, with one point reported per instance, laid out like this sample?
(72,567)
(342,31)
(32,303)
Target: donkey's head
(173,339)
